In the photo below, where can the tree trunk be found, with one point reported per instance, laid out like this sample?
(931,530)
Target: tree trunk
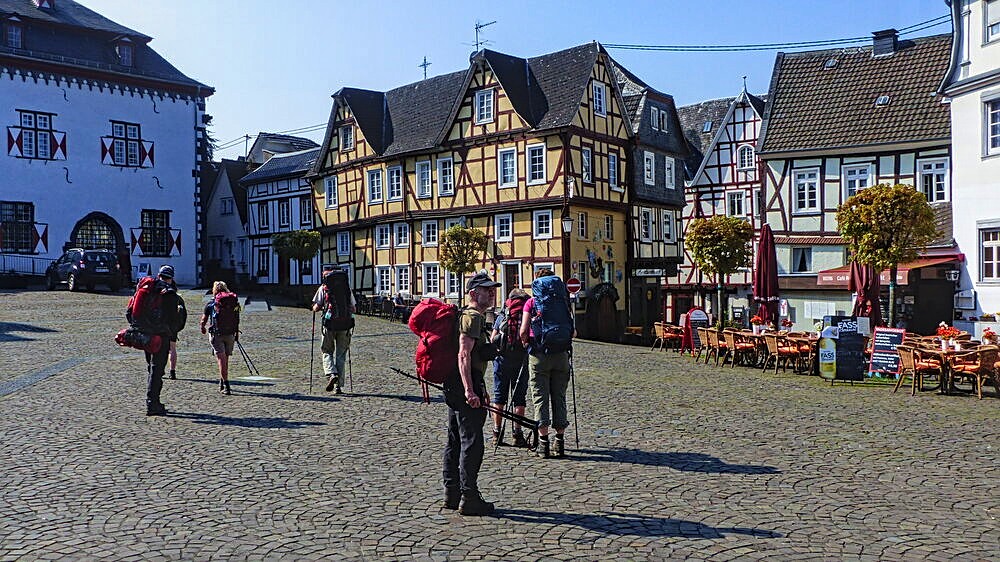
(722,307)
(892,296)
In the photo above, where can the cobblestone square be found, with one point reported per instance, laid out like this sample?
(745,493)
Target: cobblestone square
(676,459)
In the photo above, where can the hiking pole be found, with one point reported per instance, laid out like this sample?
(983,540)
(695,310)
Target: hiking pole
(251,366)
(350,367)
(572,382)
(312,353)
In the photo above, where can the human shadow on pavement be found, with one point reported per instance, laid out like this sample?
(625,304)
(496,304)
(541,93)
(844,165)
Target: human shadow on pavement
(686,462)
(256,423)
(7,327)
(611,523)
(233,382)
(294,396)
(403,397)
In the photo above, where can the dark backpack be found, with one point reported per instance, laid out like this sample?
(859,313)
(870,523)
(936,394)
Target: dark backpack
(337,315)
(552,324)
(182,315)
(225,320)
(144,311)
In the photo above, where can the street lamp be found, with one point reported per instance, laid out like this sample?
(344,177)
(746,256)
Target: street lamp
(567,224)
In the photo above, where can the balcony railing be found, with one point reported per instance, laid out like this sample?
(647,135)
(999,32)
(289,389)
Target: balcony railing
(160,242)
(23,264)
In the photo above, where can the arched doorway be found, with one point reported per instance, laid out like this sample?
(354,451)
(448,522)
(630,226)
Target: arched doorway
(98,231)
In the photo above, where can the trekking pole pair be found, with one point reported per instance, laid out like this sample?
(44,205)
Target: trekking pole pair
(246,358)
(508,408)
(572,382)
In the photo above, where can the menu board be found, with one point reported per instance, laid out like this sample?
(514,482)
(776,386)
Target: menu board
(691,321)
(850,348)
(885,358)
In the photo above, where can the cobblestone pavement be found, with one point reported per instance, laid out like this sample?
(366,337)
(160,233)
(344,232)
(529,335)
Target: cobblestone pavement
(676,460)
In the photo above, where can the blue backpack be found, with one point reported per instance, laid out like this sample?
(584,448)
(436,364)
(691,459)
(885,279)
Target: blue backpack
(552,323)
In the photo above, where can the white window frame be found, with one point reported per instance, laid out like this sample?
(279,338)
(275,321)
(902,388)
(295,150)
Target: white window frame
(654,118)
(346,138)
(609,227)
(600,92)
(809,258)
(394,175)
(305,211)
(995,246)
(501,154)
(424,179)
(850,177)
(736,199)
(452,280)
(403,279)
(669,177)
(645,224)
(535,267)
(446,176)
(330,188)
(426,239)
(667,222)
(497,220)
(946,181)
(529,165)
(649,167)
(344,243)
(448,223)
(375,181)
(485,99)
(587,167)
(383,236)
(800,179)
(613,172)
(263,216)
(740,152)
(431,282)
(383,279)
(227,205)
(536,221)
(401,234)
(581,226)
(991,126)
(991,32)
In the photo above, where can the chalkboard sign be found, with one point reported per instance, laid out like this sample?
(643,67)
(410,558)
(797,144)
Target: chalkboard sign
(692,320)
(850,348)
(885,358)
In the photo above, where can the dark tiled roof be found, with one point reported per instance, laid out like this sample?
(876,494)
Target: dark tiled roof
(563,76)
(693,118)
(419,112)
(283,165)
(294,143)
(67,12)
(813,107)
(635,93)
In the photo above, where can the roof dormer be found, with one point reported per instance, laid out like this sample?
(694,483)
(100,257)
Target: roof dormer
(124,51)
(13,33)
(45,4)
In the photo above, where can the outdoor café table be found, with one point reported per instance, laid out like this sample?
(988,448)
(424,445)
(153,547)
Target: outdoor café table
(813,343)
(946,358)
(759,344)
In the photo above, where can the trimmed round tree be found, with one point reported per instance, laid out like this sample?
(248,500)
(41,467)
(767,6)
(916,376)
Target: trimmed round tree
(300,245)
(460,249)
(720,246)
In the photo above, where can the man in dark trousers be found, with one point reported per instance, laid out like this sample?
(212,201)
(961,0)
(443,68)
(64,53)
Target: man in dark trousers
(466,396)
(164,324)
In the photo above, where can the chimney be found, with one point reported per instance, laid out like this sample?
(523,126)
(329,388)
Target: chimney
(884,42)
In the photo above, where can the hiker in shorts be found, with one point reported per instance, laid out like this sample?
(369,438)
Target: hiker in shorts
(224,335)
(166,327)
(510,375)
(335,298)
(549,371)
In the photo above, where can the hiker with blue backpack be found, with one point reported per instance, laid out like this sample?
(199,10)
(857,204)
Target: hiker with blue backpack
(223,311)
(547,330)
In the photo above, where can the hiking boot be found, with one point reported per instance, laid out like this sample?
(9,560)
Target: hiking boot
(519,440)
(222,385)
(560,447)
(474,504)
(173,375)
(496,437)
(332,383)
(452,497)
(155,410)
(338,390)
(543,448)
(227,392)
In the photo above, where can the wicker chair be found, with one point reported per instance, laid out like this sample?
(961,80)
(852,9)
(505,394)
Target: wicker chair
(911,363)
(983,369)
(740,350)
(779,350)
(716,347)
(661,336)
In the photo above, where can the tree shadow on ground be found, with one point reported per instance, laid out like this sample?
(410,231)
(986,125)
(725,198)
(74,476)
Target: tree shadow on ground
(403,397)
(7,327)
(255,423)
(624,524)
(686,462)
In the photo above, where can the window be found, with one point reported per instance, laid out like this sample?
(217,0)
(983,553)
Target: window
(707,127)
(382,233)
(802,260)
(993,126)
(654,118)
(347,137)
(125,53)
(608,275)
(649,167)
(226,206)
(484,106)
(855,179)
(542,225)
(446,176)
(263,262)
(402,234)
(383,277)
(990,250)
(305,268)
(448,223)
(284,212)
(609,227)
(645,225)
(933,179)
(613,172)
(806,190)
(305,210)
(430,233)
(503,231)
(588,165)
(263,217)
(992,14)
(507,167)
(13,35)
(403,279)
(374,186)
(38,140)
(536,163)
(734,204)
(431,280)
(663,121)
(343,243)
(395,183)
(668,172)
(600,100)
(667,220)
(330,186)
(424,179)
(155,239)
(453,282)
(125,146)
(581,226)
(17,227)
(744,157)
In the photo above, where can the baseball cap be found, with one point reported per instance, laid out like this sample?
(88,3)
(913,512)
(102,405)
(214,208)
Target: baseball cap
(167,271)
(480,280)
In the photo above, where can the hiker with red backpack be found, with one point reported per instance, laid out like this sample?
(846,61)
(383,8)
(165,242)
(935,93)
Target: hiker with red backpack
(154,310)
(547,330)
(335,298)
(222,313)
(510,379)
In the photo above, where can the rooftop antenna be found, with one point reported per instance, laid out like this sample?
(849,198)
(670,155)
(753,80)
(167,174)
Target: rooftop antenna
(424,66)
(246,146)
(744,83)
(479,26)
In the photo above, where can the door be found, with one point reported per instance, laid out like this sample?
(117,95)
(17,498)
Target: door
(283,271)
(682,304)
(511,279)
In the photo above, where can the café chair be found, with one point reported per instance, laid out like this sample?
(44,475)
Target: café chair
(911,363)
(980,370)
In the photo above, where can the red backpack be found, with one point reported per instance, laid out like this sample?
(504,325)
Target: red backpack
(515,308)
(225,321)
(437,351)
(144,311)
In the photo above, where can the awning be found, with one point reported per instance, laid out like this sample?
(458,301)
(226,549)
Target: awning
(838,276)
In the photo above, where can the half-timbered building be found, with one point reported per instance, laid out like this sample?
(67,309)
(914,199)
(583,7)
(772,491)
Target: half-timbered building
(837,121)
(104,140)
(511,146)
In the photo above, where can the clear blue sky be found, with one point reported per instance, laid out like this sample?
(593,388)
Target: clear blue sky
(274,64)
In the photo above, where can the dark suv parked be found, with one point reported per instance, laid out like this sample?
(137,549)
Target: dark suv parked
(85,268)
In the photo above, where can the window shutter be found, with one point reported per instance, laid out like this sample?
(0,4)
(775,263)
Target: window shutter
(14,141)
(58,144)
(107,155)
(136,247)
(175,244)
(146,154)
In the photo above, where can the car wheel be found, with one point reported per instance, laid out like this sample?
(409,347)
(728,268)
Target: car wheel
(71,282)
(51,282)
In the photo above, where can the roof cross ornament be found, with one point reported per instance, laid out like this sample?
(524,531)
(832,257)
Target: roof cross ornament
(424,65)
